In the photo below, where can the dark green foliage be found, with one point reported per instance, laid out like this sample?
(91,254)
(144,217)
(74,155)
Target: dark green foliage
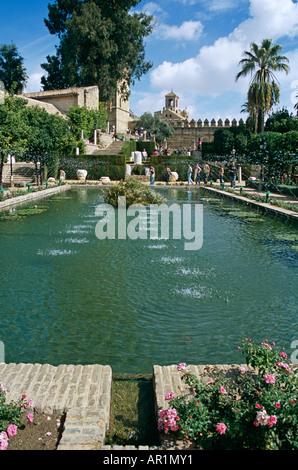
(282,121)
(87,120)
(135,193)
(161,129)
(101,43)
(148,146)
(12,71)
(97,166)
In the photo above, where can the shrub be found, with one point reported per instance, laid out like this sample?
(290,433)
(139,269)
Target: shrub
(11,416)
(97,166)
(135,193)
(255,410)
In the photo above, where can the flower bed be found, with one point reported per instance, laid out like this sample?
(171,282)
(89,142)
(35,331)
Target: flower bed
(255,410)
(22,428)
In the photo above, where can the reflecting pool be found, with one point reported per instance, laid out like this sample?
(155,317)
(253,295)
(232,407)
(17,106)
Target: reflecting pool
(68,297)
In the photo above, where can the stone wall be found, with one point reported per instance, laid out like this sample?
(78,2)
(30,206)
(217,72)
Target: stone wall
(187,133)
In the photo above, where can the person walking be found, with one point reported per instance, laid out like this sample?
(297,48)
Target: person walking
(144,155)
(152,175)
(221,174)
(189,172)
(167,174)
(197,175)
(233,175)
(206,172)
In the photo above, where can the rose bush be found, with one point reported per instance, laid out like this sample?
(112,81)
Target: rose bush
(255,409)
(11,416)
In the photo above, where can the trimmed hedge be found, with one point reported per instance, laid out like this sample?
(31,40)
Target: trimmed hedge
(97,166)
(128,147)
(178,163)
(273,188)
(149,146)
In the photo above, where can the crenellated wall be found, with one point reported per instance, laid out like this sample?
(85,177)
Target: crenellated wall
(187,133)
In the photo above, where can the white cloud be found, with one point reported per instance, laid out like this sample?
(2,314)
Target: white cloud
(153,8)
(33,84)
(215,6)
(149,102)
(188,31)
(214,69)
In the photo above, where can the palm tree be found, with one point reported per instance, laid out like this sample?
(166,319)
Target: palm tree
(261,62)
(252,120)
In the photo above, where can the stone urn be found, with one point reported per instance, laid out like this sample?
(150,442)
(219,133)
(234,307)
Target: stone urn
(62,175)
(105,180)
(173,177)
(82,175)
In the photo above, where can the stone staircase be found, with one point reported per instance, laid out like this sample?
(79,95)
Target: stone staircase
(112,149)
(22,173)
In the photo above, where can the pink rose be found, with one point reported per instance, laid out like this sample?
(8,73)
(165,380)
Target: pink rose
(169,396)
(262,418)
(3,440)
(181,366)
(270,379)
(272,420)
(221,428)
(223,390)
(12,430)
(30,418)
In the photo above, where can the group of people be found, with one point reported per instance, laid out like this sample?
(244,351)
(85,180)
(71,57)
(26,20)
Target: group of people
(205,172)
(199,173)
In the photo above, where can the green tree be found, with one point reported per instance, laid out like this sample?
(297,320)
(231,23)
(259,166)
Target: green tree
(87,120)
(281,121)
(153,124)
(261,62)
(12,71)
(252,120)
(101,43)
(225,140)
(31,133)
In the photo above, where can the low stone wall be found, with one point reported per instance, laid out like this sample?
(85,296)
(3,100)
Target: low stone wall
(32,196)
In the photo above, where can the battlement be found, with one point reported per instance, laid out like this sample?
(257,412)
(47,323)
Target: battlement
(206,123)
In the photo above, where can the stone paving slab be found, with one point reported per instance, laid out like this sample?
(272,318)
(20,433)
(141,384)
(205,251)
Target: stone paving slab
(82,392)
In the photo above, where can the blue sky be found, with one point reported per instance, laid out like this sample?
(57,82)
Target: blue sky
(195,49)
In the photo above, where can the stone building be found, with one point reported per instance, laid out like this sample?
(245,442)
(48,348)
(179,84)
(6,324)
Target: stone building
(62,100)
(59,102)
(188,132)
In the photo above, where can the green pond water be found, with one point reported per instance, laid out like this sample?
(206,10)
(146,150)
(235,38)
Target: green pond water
(69,298)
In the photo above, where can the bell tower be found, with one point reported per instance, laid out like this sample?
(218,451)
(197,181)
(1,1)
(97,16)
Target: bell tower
(172,102)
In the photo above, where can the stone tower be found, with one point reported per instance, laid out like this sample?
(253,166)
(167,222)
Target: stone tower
(171,109)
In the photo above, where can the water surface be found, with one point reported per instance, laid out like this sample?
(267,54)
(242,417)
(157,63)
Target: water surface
(67,297)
